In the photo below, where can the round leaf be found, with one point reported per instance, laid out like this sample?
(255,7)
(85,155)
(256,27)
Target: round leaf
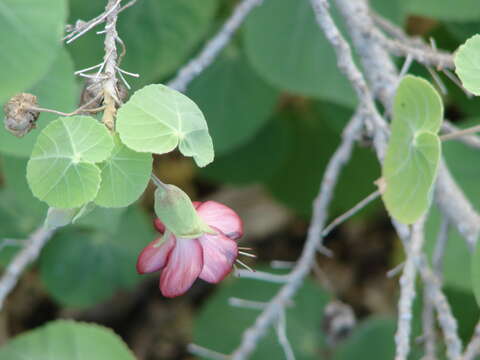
(236,102)
(61,340)
(467,64)
(157,119)
(30,32)
(56,90)
(82,267)
(291,52)
(61,170)
(413,151)
(125,175)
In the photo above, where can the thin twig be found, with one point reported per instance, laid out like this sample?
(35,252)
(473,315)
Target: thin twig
(27,255)
(407,291)
(262,276)
(445,317)
(347,215)
(461,133)
(343,153)
(110,92)
(211,50)
(470,140)
(204,352)
(403,45)
(281,328)
(440,246)
(87,26)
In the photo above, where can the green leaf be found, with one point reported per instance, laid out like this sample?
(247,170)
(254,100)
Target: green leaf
(157,119)
(160,35)
(81,267)
(30,33)
(175,209)
(313,139)
(56,90)
(373,339)
(467,65)
(290,51)
(61,340)
(457,10)
(258,160)
(125,175)
(219,326)
(224,92)
(61,171)
(413,151)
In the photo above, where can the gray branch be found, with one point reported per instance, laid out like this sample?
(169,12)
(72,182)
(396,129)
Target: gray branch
(213,48)
(27,255)
(407,291)
(274,308)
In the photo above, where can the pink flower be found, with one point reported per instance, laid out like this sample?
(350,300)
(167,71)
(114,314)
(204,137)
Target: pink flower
(209,257)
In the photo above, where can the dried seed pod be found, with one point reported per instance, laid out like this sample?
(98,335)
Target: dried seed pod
(20,117)
(93,90)
(91,95)
(122,91)
(338,322)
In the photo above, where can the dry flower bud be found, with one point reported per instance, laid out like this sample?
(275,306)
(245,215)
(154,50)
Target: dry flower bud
(20,117)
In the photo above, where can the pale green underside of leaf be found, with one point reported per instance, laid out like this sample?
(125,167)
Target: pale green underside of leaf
(56,90)
(413,152)
(62,170)
(30,32)
(467,64)
(62,340)
(125,176)
(157,119)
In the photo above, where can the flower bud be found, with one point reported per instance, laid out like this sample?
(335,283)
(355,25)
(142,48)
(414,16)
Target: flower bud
(19,116)
(176,211)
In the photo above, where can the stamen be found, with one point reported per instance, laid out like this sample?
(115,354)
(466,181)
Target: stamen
(245,248)
(245,265)
(247,254)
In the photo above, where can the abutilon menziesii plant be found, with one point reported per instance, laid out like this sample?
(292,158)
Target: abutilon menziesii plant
(209,256)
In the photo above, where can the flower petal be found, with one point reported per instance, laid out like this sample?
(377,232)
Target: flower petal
(159,225)
(184,264)
(154,256)
(221,217)
(219,254)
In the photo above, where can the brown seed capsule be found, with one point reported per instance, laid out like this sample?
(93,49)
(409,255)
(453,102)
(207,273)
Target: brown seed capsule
(92,94)
(19,116)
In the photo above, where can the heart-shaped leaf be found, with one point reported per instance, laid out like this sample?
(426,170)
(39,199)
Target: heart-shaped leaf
(62,170)
(467,64)
(414,148)
(61,340)
(157,119)
(125,175)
